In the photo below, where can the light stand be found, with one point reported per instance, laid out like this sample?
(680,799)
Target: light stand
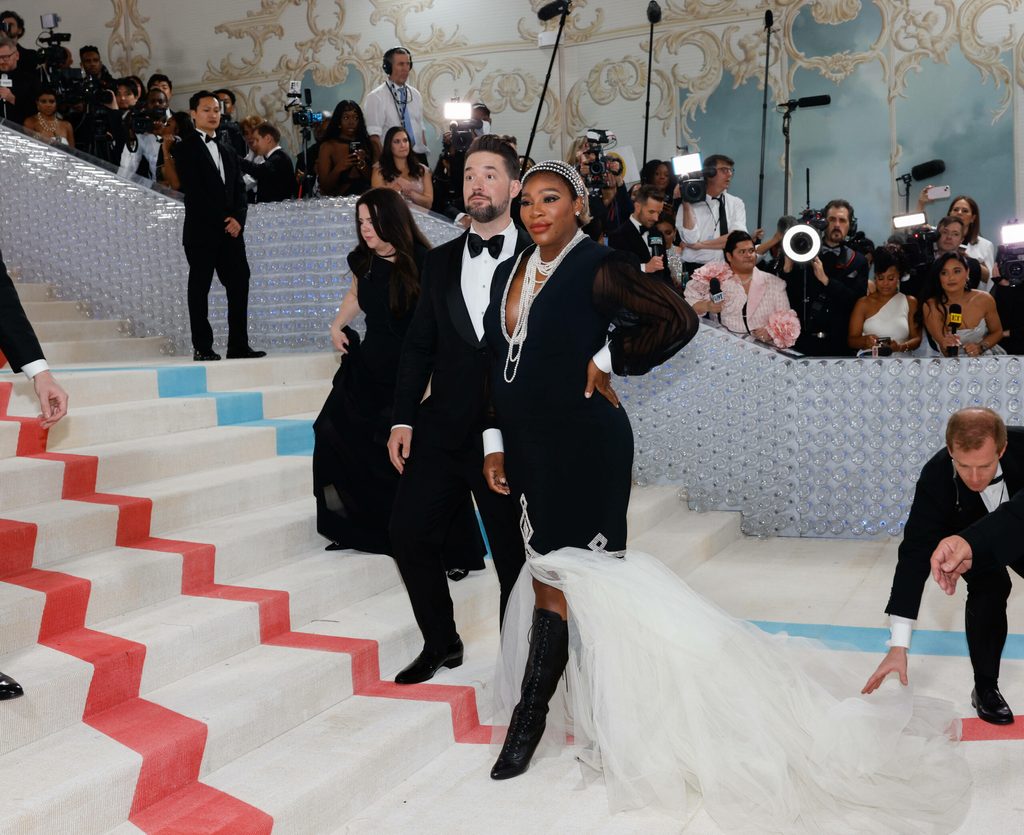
(653,16)
(764,113)
(546,13)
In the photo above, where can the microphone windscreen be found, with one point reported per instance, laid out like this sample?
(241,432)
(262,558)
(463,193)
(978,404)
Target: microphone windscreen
(928,169)
(768,19)
(550,10)
(653,12)
(814,101)
(309,96)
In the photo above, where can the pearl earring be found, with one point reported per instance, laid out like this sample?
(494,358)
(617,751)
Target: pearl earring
(577,214)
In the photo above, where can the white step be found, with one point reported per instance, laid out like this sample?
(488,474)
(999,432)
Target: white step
(29,292)
(126,349)
(83,329)
(50,311)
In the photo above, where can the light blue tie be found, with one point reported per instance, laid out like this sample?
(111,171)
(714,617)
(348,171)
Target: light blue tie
(403,98)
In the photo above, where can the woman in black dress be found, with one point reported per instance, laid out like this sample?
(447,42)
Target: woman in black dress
(669,696)
(353,480)
(346,153)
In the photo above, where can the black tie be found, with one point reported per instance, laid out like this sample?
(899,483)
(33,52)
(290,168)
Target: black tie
(723,222)
(995,480)
(493,244)
(209,138)
(833,250)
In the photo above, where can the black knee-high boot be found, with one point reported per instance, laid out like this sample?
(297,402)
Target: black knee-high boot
(549,652)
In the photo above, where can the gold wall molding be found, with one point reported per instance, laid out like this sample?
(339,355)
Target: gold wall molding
(128,48)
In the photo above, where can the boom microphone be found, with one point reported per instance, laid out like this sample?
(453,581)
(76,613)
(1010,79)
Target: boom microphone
(653,12)
(550,10)
(927,170)
(954,319)
(814,101)
(768,19)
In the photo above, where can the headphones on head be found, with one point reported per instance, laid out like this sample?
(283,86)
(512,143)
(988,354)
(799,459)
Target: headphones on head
(386,64)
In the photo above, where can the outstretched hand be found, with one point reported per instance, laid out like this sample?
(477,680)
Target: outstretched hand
(951,558)
(600,381)
(494,473)
(895,661)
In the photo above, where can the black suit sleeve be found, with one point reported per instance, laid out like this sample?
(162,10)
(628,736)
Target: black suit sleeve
(17,339)
(928,522)
(996,539)
(418,349)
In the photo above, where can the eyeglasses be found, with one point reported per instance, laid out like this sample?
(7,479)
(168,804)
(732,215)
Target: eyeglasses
(8,55)
(725,169)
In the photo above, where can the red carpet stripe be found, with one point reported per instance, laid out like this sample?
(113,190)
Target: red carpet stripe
(978,730)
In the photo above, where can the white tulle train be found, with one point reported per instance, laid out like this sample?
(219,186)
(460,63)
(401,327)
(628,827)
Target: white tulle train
(676,701)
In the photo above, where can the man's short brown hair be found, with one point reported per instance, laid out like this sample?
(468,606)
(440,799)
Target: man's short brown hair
(267,129)
(494,144)
(968,429)
(647,192)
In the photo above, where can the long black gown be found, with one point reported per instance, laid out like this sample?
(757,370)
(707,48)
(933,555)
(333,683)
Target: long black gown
(353,479)
(673,700)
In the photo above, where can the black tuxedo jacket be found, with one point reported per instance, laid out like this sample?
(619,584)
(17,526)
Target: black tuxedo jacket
(275,177)
(943,505)
(208,201)
(17,339)
(629,239)
(441,347)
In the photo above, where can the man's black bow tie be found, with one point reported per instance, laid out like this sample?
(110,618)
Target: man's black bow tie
(995,480)
(209,138)
(834,250)
(493,244)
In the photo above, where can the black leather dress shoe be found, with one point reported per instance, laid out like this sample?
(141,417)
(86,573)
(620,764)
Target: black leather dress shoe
(427,663)
(991,706)
(205,356)
(456,574)
(247,354)
(9,688)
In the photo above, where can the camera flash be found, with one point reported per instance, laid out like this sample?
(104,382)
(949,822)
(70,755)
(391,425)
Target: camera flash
(458,111)
(906,221)
(686,164)
(1013,233)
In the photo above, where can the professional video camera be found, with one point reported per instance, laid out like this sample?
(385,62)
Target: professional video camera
(1010,255)
(692,177)
(462,127)
(144,121)
(919,247)
(51,53)
(598,164)
(303,115)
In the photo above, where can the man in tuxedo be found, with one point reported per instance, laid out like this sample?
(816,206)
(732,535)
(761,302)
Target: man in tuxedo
(967,493)
(633,235)
(21,348)
(445,346)
(275,176)
(215,210)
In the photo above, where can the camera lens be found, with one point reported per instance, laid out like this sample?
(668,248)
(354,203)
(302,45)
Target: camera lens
(801,243)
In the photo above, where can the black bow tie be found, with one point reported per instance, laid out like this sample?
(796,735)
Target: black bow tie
(209,138)
(995,480)
(834,250)
(493,244)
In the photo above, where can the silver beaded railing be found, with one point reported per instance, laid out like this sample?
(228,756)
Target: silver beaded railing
(115,244)
(804,446)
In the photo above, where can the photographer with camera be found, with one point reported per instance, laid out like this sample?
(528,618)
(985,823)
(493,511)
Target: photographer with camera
(705,224)
(17,83)
(923,247)
(448,173)
(608,200)
(396,103)
(1009,298)
(640,234)
(824,298)
(230,132)
(141,151)
(12,24)
(346,153)
(885,320)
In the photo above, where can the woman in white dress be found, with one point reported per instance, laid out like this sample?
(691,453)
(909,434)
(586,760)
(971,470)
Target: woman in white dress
(675,701)
(886,316)
(980,330)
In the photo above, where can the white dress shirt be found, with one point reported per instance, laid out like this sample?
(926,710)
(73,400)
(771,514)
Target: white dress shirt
(214,150)
(900,628)
(705,228)
(149,147)
(383,110)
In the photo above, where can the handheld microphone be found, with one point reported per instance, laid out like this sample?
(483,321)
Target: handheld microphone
(768,19)
(715,289)
(550,10)
(954,319)
(656,243)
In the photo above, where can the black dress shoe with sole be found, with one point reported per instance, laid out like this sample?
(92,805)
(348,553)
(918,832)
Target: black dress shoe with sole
(205,356)
(991,706)
(428,662)
(456,574)
(9,688)
(247,354)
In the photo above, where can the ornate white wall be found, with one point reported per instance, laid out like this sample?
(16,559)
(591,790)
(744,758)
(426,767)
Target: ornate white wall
(704,51)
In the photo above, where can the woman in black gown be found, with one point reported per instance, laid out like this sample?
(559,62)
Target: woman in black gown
(667,695)
(353,480)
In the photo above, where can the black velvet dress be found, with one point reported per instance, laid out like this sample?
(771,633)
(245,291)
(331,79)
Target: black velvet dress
(353,479)
(568,458)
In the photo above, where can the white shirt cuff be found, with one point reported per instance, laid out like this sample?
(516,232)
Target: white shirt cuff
(32,368)
(603,359)
(493,441)
(900,631)
(400,426)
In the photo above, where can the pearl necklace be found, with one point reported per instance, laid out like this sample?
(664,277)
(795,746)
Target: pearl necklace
(49,125)
(517,339)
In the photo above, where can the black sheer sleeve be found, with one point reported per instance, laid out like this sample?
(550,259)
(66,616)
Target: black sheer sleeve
(651,322)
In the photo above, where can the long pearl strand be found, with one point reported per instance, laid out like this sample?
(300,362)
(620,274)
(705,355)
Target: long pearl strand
(534,265)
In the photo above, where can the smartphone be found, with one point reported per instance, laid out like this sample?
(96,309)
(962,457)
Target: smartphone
(938,192)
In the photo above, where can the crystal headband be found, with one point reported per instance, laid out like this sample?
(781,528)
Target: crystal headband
(563,170)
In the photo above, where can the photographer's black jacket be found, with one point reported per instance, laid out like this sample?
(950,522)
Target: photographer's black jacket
(825,311)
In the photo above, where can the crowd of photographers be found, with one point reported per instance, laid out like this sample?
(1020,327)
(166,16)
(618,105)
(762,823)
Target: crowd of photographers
(945,289)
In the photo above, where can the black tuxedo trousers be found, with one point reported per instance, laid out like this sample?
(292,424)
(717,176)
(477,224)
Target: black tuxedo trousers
(226,256)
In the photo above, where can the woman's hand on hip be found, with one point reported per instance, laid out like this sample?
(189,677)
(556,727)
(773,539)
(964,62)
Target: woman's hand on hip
(600,381)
